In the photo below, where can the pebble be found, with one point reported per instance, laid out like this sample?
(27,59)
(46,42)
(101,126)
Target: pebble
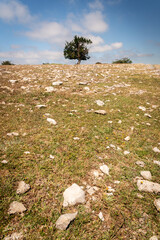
(142,108)
(99,103)
(52,121)
(41,106)
(147,115)
(154,238)
(14,236)
(4,162)
(57,83)
(50,89)
(22,187)
(126,152)
(51,156)
(146,174)
(13,134)
(156,150)
(76,138)
(64,220)
(105,169)
(139,196)
(16,207)
(100,215)
(147,186)
(73,195)
(156,162)
(127,138)
(157,204)
(102,112)
(140,163)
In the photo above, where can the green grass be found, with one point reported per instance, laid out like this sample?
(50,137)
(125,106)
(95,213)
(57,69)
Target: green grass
(75,159)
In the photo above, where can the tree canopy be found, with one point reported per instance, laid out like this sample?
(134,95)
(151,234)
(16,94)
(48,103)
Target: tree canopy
(123,60)
(77,49)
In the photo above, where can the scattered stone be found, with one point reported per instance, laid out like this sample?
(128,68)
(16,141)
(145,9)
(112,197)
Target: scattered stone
(95,173)
(156,162)
(22,187)
(126,152)
(110,189)
(12,81)
(102,112)
(57,83)
(64,220)
(139,196)
(127,138)
(105,169)
(76,138)
(73,195)
(100,215)
(147,115)
(147,186)
(52,121)
(110,122)
(154,238)
(92,190)
(41,106)
(157,204)
(86,88)
(146,174)
(99,103)
(13,134)
(142,108)
(4,162)
(16,207)
(27,152)
(14,236)
(116,182)
(51,156)
(156,150)
(120,121)
(140,163)
(50,89)
(83,83)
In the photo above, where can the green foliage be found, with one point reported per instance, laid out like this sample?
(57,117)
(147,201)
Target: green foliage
(77,49)
(7,63)
(123,60)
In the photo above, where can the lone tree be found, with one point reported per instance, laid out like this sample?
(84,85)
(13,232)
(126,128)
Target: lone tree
(77,49)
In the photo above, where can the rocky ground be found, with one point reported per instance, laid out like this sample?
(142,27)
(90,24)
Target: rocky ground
(80,152)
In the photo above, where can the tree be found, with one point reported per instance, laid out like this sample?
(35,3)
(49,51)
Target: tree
(123,60)
(77,49)
(6,63)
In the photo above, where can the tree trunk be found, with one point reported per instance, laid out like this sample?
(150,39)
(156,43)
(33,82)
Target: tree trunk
(79,61)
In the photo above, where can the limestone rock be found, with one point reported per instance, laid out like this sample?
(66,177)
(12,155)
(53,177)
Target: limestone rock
(22,187)
(100,215)
(4,161)
(64,220)
(99,103)
(57,83)
(16,207)
(13,134)
(52,121)
(127,138)
(146,174)
(14,236)
(50,89)
(41,106)
(154,238)
(156,150)
(156,162)
(157,204)
(147,186)
(140,163)
(105,169)
(102,112)
(73,195)
(142,108)
(83,83)
(126,152)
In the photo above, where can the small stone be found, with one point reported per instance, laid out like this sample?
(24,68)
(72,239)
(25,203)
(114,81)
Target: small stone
(86,88)
(154,238)
(50,89)
(119,121)
(64,220)
(13,134)
(127,138)
(27,152)
(142,108)
(126,152)
(140,163)
(96,173)
(105,169)
(12,81)
(147,115)
(73,195)
(156,150)
(57,83)
(99,103)
(100,215)
(156,162)
(51,156)
(76,138)
(116,182)
(147,186)
(157,204)
(4,162)
(41,106)
(52,121)
(139,196)
(22,187)
(146,174)
(16,207)
(102,112)
(83,83)
(14,236)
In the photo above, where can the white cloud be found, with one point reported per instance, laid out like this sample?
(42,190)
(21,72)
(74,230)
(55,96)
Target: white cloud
(31,57)
(94,22)
(96,40)
(12,10)
(104,48)
(97,4)
(51,32)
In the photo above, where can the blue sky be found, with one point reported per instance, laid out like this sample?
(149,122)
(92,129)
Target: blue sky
(35,31)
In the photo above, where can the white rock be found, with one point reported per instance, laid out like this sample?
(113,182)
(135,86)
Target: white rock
(12,81)
(146,174)
(140,163)
(120,121)
(127,138)
(73,195)
(102,112)
(52,121)
(126,152)
(83,83)
(50,89)
(13,134)
(147,186)
(116,182)
(105,169)
(76,138)
(139,196)
(156,162)
(96,173)
(99,103)
(4,162)
(51,156)
(86,88)
(16,207)
(64,220)
(110,122)
(27,152)
(57,83)
(112,146)
(157,204)
(92,190)
(156,150)
(100,215)
(41,106)
(142,108)
(109,194)
(22,187)
(147,115)
(14,236)
(154,238)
